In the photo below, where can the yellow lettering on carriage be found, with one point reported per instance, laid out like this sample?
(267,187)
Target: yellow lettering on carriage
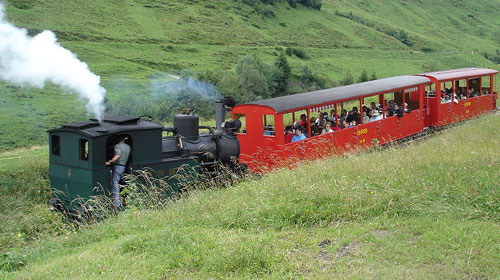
(362,131)
(362,141)
(171,172)
(468,104)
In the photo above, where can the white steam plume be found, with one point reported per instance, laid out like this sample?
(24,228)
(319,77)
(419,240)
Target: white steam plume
(34,61)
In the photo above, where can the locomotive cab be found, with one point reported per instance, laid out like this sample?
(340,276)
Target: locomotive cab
(79,150)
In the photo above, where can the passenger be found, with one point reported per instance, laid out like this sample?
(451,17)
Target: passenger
(118,162)
(288,134)
(407,110)
(320,121)
(343,124)
(351,124)
(332,115)
(472,93)
(327,129)
(389,112)
(343,115)
(299,135)
(353,116)
(303,120)
(397,110)
(375,110)
(365,117)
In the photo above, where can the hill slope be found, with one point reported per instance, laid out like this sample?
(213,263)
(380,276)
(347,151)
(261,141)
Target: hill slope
(429,210)
(127,42)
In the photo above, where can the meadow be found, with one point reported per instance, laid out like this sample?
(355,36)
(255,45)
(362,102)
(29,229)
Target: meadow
(421,210)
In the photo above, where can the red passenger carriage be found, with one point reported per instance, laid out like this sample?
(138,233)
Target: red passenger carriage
(262,137)
(459,94)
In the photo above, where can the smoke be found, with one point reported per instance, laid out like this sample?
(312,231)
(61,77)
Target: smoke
(34,61)
(162,87)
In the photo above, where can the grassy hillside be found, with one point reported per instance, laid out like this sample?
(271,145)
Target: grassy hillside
(428,210)
(127,42)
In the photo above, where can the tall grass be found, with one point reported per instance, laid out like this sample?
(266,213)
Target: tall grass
(424,210)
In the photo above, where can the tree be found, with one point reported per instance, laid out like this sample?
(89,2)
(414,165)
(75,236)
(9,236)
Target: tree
(252,79)
(373,76)
(280,75)
(363,77)
(348,79)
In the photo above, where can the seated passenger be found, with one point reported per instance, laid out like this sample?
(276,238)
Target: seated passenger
(343,115)
(288,134)
(327,129)
(407,110)
(365,117)
(389,112)
(375,110)
(397,110)
(332,115)
(298,134)
(472,92)
(303,120)
(269,131)
(343,124)
(351,124)
(353,116)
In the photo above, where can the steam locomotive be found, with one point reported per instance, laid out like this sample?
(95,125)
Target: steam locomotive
(78,151)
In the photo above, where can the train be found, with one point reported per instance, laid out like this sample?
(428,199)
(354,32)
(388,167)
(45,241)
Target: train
(255,137)
(78,152)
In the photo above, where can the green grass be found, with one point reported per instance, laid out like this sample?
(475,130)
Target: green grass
(126,42)
(424,210)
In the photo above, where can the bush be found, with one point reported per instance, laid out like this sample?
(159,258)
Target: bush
(297,52)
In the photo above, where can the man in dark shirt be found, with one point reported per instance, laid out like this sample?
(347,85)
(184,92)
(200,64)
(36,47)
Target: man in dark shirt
(397,110)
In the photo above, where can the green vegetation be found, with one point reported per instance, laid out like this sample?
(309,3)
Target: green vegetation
(131,43)
(427,210)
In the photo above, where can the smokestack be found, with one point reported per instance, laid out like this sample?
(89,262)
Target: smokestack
(220,110)
(34,61)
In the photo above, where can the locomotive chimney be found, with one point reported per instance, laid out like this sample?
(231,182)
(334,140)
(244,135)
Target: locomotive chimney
(220,110)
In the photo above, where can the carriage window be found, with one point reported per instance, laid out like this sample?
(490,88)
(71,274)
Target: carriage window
(241,118)
(412,99)
(461,89)
(268,125)
(389,103)
(446,92)
(430,91)
(84,149)
(55,145)
(474,87)
(485,85)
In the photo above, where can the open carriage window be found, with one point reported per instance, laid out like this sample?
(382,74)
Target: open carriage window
(461,89)
(55,145)
(474,87)
(485,85)
(430,91)
(268,125)
(84,149)
(446,93)
(242,119)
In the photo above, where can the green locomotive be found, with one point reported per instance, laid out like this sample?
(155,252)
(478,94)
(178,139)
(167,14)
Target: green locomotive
(78,152)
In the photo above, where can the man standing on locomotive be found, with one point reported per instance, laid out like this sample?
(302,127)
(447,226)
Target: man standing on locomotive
(119,161)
